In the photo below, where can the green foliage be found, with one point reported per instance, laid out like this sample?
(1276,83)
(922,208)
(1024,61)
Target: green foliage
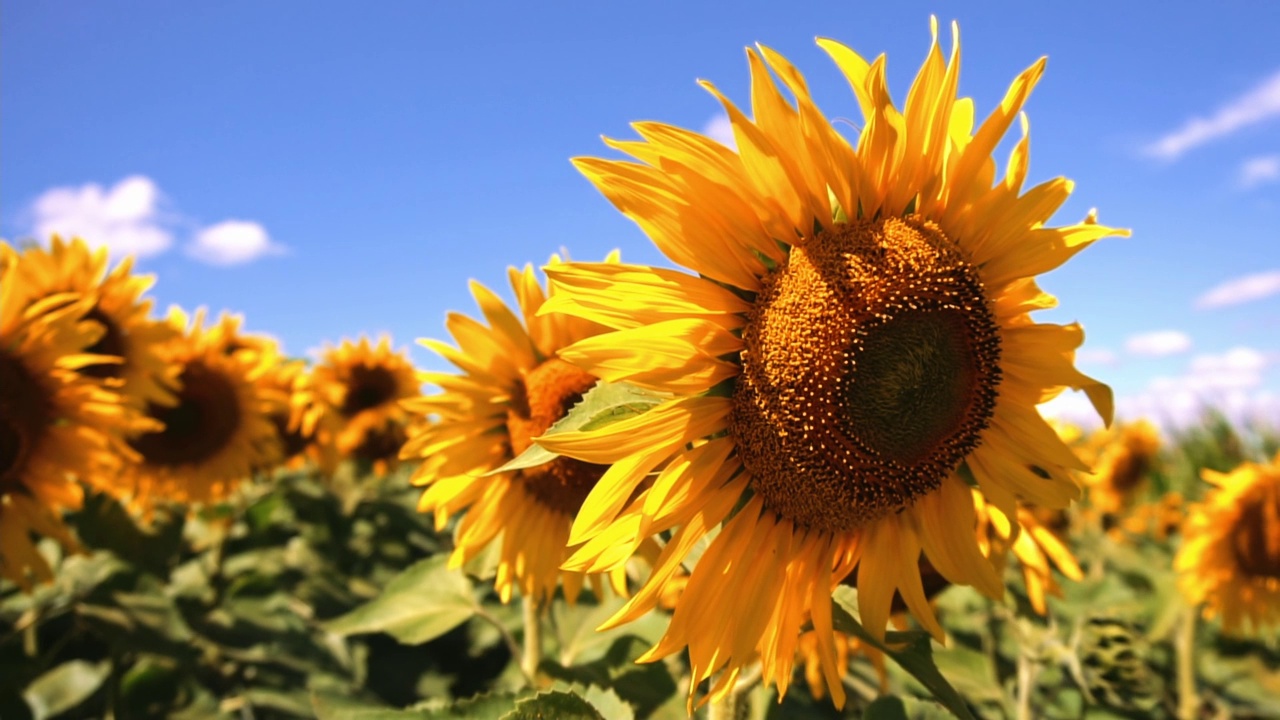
(422,603)
(334,599)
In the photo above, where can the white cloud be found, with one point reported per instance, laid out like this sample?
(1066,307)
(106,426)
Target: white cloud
(719,128)
(124,218)
(232,242)
(1230,382)
(1096,356)
(1257,105)
(1259,170)
(1158,343)
(1241,290)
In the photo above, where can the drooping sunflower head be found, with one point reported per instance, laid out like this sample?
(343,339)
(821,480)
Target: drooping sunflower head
(1039,549)
(57,425)
(1126,457)
(510,388)
(116,302)
(219,429)
(362,387)
(1230,556)
(855,349)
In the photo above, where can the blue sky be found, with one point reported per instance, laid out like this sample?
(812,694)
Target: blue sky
(335,168)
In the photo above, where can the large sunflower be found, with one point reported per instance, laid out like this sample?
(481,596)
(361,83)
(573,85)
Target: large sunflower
(217,432)
(362,387)
(116,302)
(511,388)
(1230,557)
(855,348)
(57,425)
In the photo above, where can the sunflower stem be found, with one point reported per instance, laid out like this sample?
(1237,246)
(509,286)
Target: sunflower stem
(1185,647)
(729,707)
(1028,670)
(532,655)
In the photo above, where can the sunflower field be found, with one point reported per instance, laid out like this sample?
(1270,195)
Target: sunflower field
(799,473)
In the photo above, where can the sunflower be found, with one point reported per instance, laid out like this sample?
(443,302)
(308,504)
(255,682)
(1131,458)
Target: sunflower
(219,429)
(57,424)
(1230,557)
(511,388)
(362,387)
(1126,456)
(295,419)
(1036,545)
(855,346)
(116,303)
(847,647)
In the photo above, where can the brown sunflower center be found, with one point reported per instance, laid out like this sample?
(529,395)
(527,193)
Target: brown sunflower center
(1256,540)
(382,443)
(111,343)
(25,412)
(292,442)
(204,421)
(870,369)
(369,387)
(1130,468)
(544,396)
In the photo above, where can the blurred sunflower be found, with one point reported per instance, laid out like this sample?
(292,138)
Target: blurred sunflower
(857,335)
(847,647)
(1230,556)
(56,423)
(1036,545)
(1159,519)
(1126,455)
(219,430)
(296,419)
(116,303)
(362,387)
(511,388)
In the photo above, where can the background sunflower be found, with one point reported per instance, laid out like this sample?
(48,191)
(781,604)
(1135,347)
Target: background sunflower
(57,425)
(1230,556)
(219,429)
(511,388)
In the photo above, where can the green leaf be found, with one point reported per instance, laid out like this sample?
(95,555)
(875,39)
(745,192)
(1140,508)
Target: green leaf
(490,706)
(65,687)
(607,703)
(422,603)
(910,650)
(337,707)
(886,708)
(604,404)
(554,705)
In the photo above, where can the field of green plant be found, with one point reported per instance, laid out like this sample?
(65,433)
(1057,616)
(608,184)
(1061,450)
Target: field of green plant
(305,595)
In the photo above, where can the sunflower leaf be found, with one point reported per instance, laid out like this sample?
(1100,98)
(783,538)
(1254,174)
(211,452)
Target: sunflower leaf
(554,704)
(910,650)
(65,687)
(604,404)
(422,603)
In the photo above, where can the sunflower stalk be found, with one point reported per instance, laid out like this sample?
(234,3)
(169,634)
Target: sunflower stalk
(1185,649)
(531,656)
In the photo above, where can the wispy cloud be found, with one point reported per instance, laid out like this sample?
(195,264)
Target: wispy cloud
(1241,290)
(1259,170)
(1096,356)
(719,128)
(1259,104)
(125,217)
(1230,382)
(232,242)
(1158,343)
